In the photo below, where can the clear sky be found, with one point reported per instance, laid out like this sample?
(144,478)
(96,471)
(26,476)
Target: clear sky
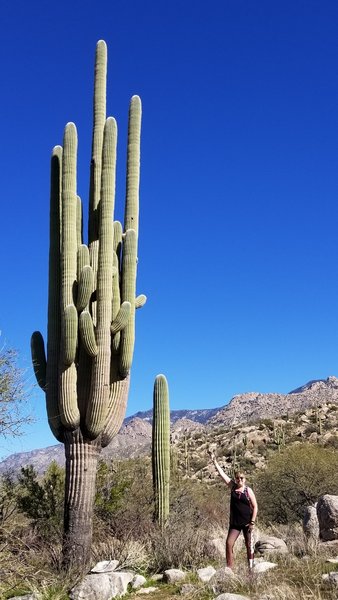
(239,184)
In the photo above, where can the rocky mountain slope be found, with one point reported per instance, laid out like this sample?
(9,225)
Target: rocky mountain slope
(194,430)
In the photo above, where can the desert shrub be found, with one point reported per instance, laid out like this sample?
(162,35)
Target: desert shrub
(42,500)
(184,541)
(124,499)
(8,498)
(294,479)
(195,508)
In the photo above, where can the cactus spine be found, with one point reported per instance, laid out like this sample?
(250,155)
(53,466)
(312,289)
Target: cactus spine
(161,449)
(91,307)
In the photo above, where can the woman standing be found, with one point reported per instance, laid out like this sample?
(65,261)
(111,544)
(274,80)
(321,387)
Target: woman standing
(243,513)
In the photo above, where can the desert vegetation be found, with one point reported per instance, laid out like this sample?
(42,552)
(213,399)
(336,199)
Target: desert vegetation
(32,516)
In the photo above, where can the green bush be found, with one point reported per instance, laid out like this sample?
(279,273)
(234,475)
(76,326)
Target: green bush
(124,498)
(42,500)
(294,479)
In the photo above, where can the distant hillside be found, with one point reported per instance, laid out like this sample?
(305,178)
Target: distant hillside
(202,415)
(134,438)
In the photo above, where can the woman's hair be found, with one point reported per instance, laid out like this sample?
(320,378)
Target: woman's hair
(239,474)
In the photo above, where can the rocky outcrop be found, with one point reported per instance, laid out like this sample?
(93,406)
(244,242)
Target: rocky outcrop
(253,406)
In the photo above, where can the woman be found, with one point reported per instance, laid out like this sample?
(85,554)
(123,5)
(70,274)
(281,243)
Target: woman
(243,513)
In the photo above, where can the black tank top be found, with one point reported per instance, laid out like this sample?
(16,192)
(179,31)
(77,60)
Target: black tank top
(240,508)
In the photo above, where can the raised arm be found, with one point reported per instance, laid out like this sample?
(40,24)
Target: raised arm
(220,471)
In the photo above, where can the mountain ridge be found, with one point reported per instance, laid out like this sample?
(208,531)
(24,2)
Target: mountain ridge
(134,438)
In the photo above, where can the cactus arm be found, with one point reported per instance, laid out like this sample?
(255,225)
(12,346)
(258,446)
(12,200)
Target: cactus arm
(54,286)
(83,259)
(161,449)
(121,318)
(87,333)
(100,384)
(79,221)
(117,410)
(85,287)
(69,322)
(133,166)
(116,301)
(117,238)
(99,118)
(129,265)
(39,358)
(69,412)
(140,301)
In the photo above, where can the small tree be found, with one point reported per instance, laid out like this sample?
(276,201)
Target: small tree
(13,395)
(294,479)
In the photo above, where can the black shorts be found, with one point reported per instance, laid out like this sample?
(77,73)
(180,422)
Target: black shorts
(244,528)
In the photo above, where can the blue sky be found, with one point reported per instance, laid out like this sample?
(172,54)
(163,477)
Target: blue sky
(239,184)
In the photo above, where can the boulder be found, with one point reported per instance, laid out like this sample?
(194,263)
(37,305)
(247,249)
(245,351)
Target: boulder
(105,566)
(103,586)
(264,566)
(310,522)
(327,513)
(174,575)
(148,590)
(268,544)
(138,581)
(206,573)
(331,577)
(220,579)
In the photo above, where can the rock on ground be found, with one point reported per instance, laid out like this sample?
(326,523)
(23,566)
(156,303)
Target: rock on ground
(228,596)
(105,566)
(103,586)
(331,577)
(261,567)
(327,513)
(174,575)
(26,597)
(206,573)
(148,590)
(138,581)
(310,522)
(269,544)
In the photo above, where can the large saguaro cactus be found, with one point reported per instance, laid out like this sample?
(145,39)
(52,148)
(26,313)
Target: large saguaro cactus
(161,449)
(91,308)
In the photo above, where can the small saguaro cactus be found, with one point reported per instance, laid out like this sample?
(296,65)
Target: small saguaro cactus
(91,308)
(161,449)
(279,435)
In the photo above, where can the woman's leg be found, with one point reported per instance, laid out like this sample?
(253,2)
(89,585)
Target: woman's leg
(229,545)
(249,543)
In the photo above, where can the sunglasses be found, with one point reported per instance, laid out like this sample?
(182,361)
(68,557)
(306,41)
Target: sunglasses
(238,478)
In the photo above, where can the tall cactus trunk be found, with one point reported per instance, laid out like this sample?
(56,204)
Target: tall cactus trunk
(91,308)
(81,465)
